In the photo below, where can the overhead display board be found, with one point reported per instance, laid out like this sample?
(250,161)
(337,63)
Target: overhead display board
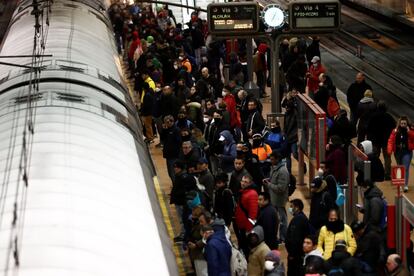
(234,18)
(316,17)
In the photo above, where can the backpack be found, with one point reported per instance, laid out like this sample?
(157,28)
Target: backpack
(340,197)
(332,107)
(292,184)
(238,263)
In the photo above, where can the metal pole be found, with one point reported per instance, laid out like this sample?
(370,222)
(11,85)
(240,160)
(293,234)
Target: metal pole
(351,192)
(275,42)
(321,140)
(249,49)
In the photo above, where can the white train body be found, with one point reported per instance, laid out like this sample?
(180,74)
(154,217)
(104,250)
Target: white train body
(90,207)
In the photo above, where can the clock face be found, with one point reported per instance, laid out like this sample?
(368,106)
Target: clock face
(274,16)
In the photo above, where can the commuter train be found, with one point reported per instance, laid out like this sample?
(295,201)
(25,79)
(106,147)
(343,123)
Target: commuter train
(83,200)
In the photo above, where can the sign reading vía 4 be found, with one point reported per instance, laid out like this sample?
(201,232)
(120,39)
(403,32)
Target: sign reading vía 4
(316,17)
(233,18)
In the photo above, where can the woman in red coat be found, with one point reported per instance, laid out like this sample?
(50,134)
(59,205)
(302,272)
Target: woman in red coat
(315,69)
(401,143)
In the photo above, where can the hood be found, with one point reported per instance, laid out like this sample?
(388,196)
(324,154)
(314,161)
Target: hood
(258,230)
(374,191)
(367,146)
(227,136)
(135,35)
(262,48)
(366,100)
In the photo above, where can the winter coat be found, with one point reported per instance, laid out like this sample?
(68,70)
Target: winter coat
(190,159)
(343,128)
(255,266)
(392,147)
(379,128)
(373,208)
(207,180)
(224,204)
(217,253)
(295,75)
(355,93)
(377,169)
(279,185)
(366,108)
(369,248)
(321,203)
(172,142)
(297,230)
(291,121)
(269,221)
(344,260)
(183,184)
(336,161)
(231,108)
(235,179)
(169,105)
(229,152)
(248,200)
(327,239)
(313,79)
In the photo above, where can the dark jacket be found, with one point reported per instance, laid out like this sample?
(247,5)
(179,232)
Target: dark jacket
(369,248)
(229,152)
(147,104)
(269,221)
(235,179)
(291,120)
(343,128)
(255,122)
(379,128)
(224,204)
(343,260)
(183,184)
(297,230)
(336,161)
(169,105)
(172,142)
(377,169)
(355,93)
(373,208)
(207,180)
(190,159)
(366,108)
(295,75)
(217,253)
(321,203)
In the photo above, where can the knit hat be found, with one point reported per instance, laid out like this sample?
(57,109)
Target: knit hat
(315,59)
(368,93)
(273,256)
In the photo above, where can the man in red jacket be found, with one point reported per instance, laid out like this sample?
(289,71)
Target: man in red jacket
(246,212)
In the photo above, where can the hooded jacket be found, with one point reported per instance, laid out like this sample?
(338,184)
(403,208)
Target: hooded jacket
(377,169)
(269,221)
(373,208)
(247,203)
(229,152)
(217,253)
(257,254)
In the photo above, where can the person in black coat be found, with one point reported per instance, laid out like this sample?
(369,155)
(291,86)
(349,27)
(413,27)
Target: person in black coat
(169,103)
(298,229)
(321,202)
(171,140)
(313,49)
(342,127)
(223,199)
(341,259)
(268,219)
(255,122)
(355,93)
(370,251)
(379,129)
(295,76)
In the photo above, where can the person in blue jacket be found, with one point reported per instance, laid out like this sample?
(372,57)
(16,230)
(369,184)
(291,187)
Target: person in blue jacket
(217,251)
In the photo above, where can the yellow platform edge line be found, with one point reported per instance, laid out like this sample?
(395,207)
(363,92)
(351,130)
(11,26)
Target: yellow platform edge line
(167,220)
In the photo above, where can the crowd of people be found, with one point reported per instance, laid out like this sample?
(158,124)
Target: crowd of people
(231,171)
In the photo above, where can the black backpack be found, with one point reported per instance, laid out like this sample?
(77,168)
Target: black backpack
(292,184)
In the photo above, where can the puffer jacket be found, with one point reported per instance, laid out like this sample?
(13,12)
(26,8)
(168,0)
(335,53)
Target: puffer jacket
(249,202)
(391,147)
(257,255)
(229,152)
(327,239)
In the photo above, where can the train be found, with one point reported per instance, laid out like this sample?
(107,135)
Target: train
(77,195)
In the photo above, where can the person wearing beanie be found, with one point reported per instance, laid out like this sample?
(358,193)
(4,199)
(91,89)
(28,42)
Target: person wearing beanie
(366,108)
(258,251)
(273,265)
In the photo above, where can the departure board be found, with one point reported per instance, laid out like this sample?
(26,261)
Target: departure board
(314,16)
(234,18)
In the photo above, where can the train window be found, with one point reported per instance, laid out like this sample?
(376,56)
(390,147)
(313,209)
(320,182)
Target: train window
(24,99)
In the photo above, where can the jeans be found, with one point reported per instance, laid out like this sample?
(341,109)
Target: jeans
(404,158)
(170,168)
(292,148)
(180,213)
(283,225)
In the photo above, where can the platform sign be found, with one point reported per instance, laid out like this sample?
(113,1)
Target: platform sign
(398,175)
(234,18)
(314,17)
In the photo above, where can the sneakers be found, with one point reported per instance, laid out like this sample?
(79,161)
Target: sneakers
(178,239)
(405,189)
